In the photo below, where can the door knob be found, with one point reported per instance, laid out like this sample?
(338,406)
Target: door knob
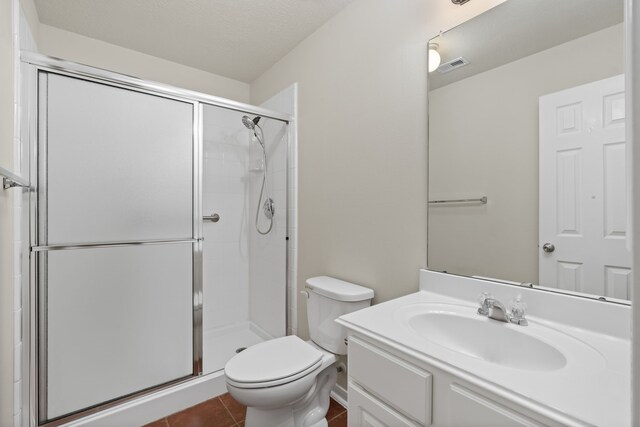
(548,247)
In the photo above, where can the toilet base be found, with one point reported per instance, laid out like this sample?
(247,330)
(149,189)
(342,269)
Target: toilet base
(309,411)
(276,418)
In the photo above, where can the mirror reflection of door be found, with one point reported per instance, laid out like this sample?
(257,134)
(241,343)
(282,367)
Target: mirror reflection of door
(485,133)
(583,191)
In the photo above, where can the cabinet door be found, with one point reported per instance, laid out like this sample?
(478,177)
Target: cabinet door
(402,385)
(367,411)
(471,409)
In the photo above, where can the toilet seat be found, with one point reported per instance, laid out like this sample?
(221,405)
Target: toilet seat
(274,362)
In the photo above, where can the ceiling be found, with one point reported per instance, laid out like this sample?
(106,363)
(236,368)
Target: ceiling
(239,39)
(519,28)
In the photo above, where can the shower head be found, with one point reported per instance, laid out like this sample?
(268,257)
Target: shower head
(250,124)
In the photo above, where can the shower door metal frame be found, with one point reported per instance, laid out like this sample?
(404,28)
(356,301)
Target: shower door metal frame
(44,64)
(39,149)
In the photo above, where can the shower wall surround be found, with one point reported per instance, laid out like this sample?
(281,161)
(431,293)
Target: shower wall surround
(244,271)
(225,248)
(285,102)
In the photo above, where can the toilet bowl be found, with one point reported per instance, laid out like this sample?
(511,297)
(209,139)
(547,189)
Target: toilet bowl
(286,382)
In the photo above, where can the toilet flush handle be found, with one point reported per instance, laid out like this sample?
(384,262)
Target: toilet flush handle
(305,293)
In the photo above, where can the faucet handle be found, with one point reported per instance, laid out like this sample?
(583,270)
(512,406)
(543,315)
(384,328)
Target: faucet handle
(484,307)
(517,310)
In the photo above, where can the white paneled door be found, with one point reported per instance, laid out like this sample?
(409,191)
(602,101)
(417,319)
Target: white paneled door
(583,190)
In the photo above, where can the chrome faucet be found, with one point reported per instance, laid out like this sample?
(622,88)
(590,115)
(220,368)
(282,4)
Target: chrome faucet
(494,309)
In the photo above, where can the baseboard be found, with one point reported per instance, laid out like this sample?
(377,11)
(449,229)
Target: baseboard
(339,394)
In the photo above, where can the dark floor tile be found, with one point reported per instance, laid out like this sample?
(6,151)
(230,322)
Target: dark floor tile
(225,411)
(158,423)
(238,410)
(339,421)
(335,409)
(211,413)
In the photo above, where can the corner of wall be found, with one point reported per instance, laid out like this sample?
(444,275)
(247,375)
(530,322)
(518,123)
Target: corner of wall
(30,13)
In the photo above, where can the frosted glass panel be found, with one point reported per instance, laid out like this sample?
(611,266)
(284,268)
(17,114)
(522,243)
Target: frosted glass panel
(119,164)
(119,321)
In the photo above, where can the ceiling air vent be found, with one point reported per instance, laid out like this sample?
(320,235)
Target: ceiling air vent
(453,64)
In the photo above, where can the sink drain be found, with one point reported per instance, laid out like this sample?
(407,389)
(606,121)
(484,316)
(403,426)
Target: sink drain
(238,350)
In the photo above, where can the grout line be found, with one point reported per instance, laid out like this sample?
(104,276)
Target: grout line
(228,411)
(166,421)
(338,415)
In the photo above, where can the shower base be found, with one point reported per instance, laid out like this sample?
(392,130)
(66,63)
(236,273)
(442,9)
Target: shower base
(158,405)
(222,344)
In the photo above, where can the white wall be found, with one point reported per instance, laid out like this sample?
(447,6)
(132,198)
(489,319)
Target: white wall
(633,88)
(495,153)
(6,240)
(6,83)
(362,141)
(30,16)
(74,47)
(9,138)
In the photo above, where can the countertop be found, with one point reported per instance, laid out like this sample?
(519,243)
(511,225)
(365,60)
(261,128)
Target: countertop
(592,389)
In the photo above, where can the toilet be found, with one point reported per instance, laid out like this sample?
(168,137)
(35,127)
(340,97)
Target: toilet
(286,382)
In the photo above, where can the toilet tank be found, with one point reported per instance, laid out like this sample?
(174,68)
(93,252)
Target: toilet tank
(329,298)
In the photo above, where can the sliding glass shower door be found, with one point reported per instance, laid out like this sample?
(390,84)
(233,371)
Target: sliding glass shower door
(117,248)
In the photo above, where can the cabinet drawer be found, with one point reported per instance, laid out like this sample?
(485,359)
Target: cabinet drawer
(469,408)
(366,411)
(400,384)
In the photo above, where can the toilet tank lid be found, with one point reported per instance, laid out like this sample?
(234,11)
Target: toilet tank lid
(338,290)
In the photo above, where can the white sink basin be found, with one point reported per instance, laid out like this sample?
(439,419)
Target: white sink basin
(460,329)
(487,339)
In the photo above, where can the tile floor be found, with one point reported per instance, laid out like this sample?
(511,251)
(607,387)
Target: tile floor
(224,411)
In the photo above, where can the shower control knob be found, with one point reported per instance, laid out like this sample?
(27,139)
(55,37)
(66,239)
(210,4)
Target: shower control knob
(548,247)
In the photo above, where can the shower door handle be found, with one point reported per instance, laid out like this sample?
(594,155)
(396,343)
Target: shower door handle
(213,217)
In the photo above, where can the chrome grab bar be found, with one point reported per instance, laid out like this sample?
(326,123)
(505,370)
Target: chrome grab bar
(482,200)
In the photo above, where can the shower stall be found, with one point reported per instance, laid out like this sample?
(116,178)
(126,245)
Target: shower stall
(158,236)
(244,270)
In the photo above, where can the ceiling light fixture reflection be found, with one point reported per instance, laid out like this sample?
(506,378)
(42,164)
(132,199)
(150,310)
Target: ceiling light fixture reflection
(434,57)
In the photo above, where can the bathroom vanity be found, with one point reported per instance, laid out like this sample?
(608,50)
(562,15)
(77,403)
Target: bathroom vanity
(429,359)
(522,137)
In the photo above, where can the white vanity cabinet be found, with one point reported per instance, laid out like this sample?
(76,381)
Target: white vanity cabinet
(391,388)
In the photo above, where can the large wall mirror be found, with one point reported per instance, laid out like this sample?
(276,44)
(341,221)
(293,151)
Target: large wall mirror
(527,164)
